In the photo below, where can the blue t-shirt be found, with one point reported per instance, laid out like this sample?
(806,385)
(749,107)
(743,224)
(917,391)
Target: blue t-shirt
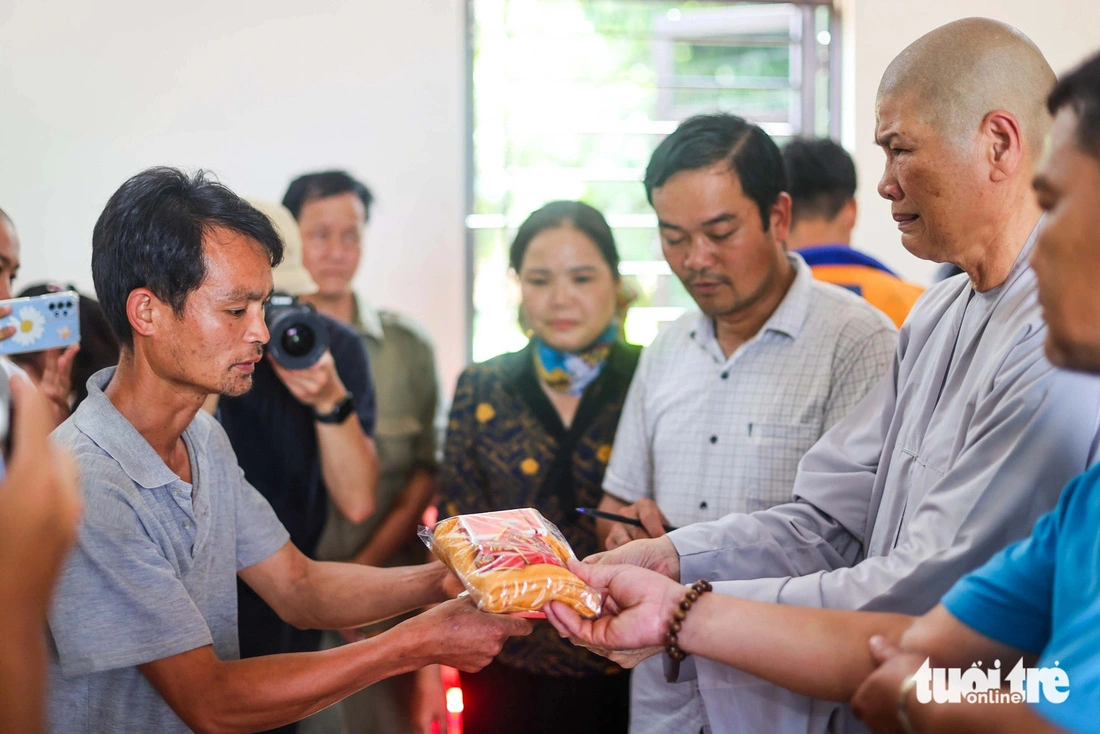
(1042,595)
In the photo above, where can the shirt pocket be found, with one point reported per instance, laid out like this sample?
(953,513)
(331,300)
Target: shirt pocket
(395,438)
(776,450)
(921,477)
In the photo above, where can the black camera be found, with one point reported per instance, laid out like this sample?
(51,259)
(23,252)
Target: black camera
(298,334)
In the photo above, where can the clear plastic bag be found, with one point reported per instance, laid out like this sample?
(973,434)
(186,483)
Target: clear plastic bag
(511,562)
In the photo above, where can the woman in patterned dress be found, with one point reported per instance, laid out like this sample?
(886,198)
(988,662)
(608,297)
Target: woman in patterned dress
(534,428)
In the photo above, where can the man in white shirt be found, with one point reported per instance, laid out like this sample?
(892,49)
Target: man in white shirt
(728,398)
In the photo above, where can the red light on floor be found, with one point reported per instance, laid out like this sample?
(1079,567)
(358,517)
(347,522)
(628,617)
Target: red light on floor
(454,700)
(453,694)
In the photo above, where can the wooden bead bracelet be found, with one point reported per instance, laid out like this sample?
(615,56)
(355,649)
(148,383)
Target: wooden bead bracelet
(672,642)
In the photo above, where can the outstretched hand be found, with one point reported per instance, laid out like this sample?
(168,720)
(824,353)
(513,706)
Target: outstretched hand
(638,605)
(455,633)
(655,554)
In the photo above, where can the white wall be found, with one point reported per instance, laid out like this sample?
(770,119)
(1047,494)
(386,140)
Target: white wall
(258,92)
(877,30)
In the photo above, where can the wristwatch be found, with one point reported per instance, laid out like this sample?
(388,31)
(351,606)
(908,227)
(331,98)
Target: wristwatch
(339,412)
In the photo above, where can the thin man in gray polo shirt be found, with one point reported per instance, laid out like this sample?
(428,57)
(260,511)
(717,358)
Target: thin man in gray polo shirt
(144,618)
(159,555)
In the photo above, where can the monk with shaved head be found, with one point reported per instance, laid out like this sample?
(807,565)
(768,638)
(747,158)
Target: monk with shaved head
(965,442)
(961,119)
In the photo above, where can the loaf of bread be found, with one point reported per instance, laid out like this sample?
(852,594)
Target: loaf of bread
(512,561)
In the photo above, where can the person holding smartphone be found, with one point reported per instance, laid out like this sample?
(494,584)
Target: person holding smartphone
(54,380)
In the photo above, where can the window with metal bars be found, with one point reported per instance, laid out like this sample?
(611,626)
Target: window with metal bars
(568,98)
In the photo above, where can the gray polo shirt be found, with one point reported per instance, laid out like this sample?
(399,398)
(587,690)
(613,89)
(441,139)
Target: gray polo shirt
(153,573)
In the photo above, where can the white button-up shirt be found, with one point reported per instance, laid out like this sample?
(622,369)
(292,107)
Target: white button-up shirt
(706,435)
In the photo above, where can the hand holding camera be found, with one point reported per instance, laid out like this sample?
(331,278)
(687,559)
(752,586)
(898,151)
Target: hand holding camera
(299,353)
(317,386)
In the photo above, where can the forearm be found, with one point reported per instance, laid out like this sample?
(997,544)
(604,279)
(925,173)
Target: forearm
(22,671)
(401,521)
(345,595)
(789,540)
(270,691)
(821,653)
(349,467)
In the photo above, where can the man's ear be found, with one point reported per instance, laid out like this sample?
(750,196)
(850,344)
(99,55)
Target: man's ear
(143,311)
(1004,144)
(781,217)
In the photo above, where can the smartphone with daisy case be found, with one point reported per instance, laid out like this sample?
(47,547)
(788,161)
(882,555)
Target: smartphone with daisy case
(42,322)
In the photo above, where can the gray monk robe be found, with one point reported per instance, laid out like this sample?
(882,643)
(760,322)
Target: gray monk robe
(965,442)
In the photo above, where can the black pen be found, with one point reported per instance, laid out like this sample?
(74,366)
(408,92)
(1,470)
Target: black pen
(617,518)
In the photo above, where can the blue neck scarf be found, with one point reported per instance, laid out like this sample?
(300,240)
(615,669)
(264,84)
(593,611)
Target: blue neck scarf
(572,372)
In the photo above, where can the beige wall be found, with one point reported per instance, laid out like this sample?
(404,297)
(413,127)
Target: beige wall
(260,91)
(876,30)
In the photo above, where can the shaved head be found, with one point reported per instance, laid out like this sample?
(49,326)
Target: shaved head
(957,74)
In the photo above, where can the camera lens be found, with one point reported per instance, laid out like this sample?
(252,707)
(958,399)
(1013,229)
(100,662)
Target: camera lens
(298,340)
(299,336)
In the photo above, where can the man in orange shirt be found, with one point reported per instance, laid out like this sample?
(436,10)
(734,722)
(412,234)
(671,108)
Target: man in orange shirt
(821,180)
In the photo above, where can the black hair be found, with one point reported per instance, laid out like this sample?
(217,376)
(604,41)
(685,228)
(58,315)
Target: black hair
(704,140)
(98,345)
(1080,91)
(821,178)
(150,235)
(561,213)
(313,186)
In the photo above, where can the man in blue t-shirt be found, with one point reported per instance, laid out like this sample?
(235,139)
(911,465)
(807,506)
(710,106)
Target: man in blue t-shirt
(1021,633)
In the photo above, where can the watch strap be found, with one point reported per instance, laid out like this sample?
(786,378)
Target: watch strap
(339,412)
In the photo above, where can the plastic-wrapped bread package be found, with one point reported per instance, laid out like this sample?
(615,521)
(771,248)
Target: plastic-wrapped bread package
(511,562)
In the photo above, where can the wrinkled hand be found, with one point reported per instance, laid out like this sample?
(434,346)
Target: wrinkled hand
(429,702)
(876,701)
(655,554)
(455,633)
(651,517)
(318,386)
(40,502)
(57,380)
(632,625)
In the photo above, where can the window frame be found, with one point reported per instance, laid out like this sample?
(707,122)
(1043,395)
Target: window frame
(810,66)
